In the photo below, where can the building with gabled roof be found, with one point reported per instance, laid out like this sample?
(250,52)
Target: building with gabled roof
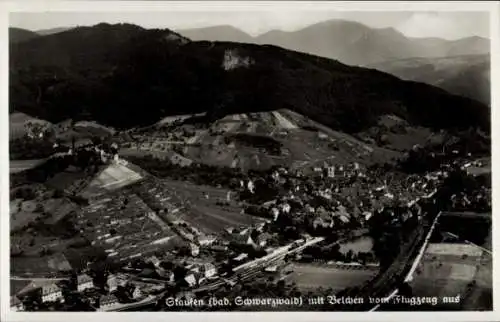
(209,270)
(114,281)
(191,280)
(51,293)
(323,221)
(137,293)
(84,282)
(243,237)
(262,239)
(154,260)
(108,301)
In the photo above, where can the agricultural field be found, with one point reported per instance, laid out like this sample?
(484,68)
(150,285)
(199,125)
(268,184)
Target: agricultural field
(124,226)
(18,285)
(16,166)
(66,179)
(411,137)
(174,118)
(39,266)
(32,204)
(484,168)
(283,122)
(93,128)
(213,220)
(257,141)
(198,193)
(210,210)
(17,124)
(454,269)
(112,177)
(20,219)
(310,277)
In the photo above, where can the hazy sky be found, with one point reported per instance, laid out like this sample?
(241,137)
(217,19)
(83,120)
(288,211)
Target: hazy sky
(448,25)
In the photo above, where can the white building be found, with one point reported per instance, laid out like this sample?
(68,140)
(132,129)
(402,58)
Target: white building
(207,240)
(108,301)
(191,280)
(331,172)
(251,186)
(285,208)
(195,250)
(210,270)
(275,212)
(84,282)
(241,257)
(137,293)
(51,293)
(115,281)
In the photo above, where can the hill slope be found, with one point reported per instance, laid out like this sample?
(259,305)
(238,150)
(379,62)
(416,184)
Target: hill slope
(123,76)
(17,35)
(462,75)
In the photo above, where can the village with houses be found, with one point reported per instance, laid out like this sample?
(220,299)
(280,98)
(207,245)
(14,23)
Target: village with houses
(142,225)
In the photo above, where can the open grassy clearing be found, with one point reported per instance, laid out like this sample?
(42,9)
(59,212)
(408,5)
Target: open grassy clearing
(38,266)
(16,166)
(452,273)
(311,277)
(115,176)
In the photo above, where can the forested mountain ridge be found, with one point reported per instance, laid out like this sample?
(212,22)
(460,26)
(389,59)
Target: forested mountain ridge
(124,75)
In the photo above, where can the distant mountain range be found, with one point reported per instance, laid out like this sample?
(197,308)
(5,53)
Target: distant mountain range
(218,33)
(462,75)
(349,42)
(459,66)
(45,32)
(17,35)
(124,75)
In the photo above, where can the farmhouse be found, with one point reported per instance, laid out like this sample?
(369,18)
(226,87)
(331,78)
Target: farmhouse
(191,280)
(210,270)
(108,301)
(137,293)
(84,282)
(51,293)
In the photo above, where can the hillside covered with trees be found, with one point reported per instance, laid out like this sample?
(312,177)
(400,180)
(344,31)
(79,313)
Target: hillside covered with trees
(125,76)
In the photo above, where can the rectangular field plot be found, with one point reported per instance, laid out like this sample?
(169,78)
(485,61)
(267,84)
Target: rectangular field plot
(448,270)
(114,177)
(214,220)
(312,276)
(124,226)
(16,166)
(39,266)
(284,122)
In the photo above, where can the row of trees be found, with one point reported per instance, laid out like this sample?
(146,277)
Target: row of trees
(332,253)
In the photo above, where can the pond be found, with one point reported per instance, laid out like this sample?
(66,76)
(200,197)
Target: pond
(361,244)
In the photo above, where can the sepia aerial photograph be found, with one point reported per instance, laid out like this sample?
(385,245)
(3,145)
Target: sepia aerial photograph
(213,160)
